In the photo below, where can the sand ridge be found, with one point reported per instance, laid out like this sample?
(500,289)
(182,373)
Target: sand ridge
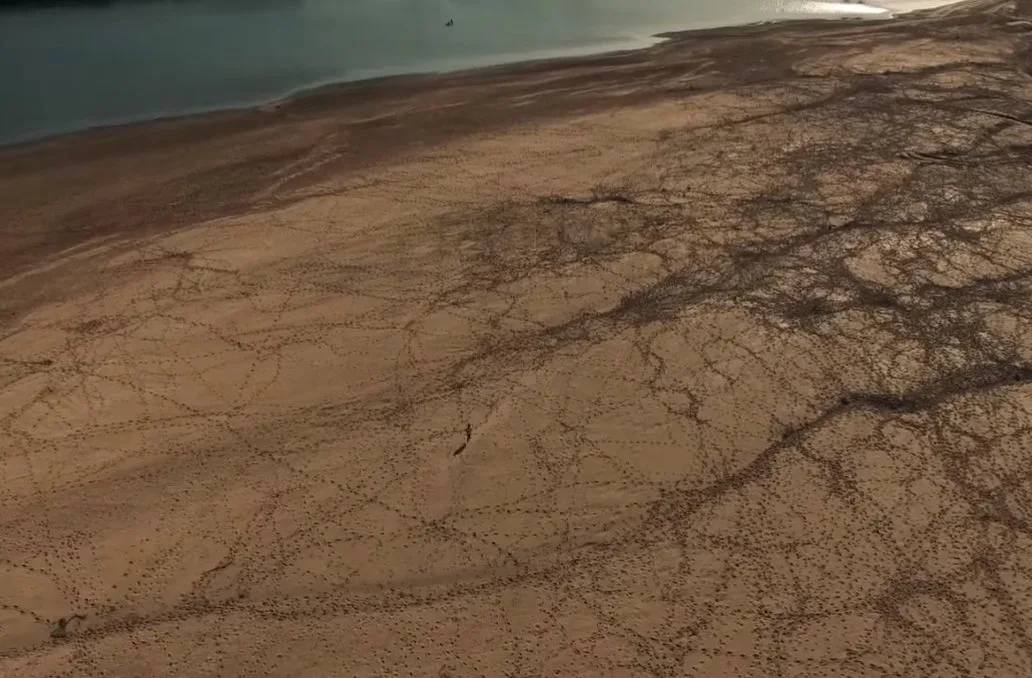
(701,366)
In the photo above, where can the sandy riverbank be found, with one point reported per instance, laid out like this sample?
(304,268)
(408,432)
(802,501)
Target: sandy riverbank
(739,325)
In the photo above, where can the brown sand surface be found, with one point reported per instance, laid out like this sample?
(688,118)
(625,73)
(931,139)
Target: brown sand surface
(741,326)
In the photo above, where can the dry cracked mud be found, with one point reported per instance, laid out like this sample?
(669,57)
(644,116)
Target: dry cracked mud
(740,325)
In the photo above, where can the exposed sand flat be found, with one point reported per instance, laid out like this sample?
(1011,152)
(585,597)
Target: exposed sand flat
(742,326)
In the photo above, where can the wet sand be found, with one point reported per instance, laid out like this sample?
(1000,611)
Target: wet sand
(739,327)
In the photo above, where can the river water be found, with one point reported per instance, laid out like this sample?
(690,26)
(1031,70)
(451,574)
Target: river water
(64,69)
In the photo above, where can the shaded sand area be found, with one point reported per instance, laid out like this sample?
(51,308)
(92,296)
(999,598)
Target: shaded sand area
(741,327)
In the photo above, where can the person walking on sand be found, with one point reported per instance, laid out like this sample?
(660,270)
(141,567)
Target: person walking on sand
(60,628)
(469,435)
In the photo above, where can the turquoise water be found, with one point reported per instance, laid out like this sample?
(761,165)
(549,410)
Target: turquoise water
(64,69)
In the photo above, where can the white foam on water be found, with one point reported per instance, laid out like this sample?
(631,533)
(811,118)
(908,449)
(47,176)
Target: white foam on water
(821,9)
(903,6)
